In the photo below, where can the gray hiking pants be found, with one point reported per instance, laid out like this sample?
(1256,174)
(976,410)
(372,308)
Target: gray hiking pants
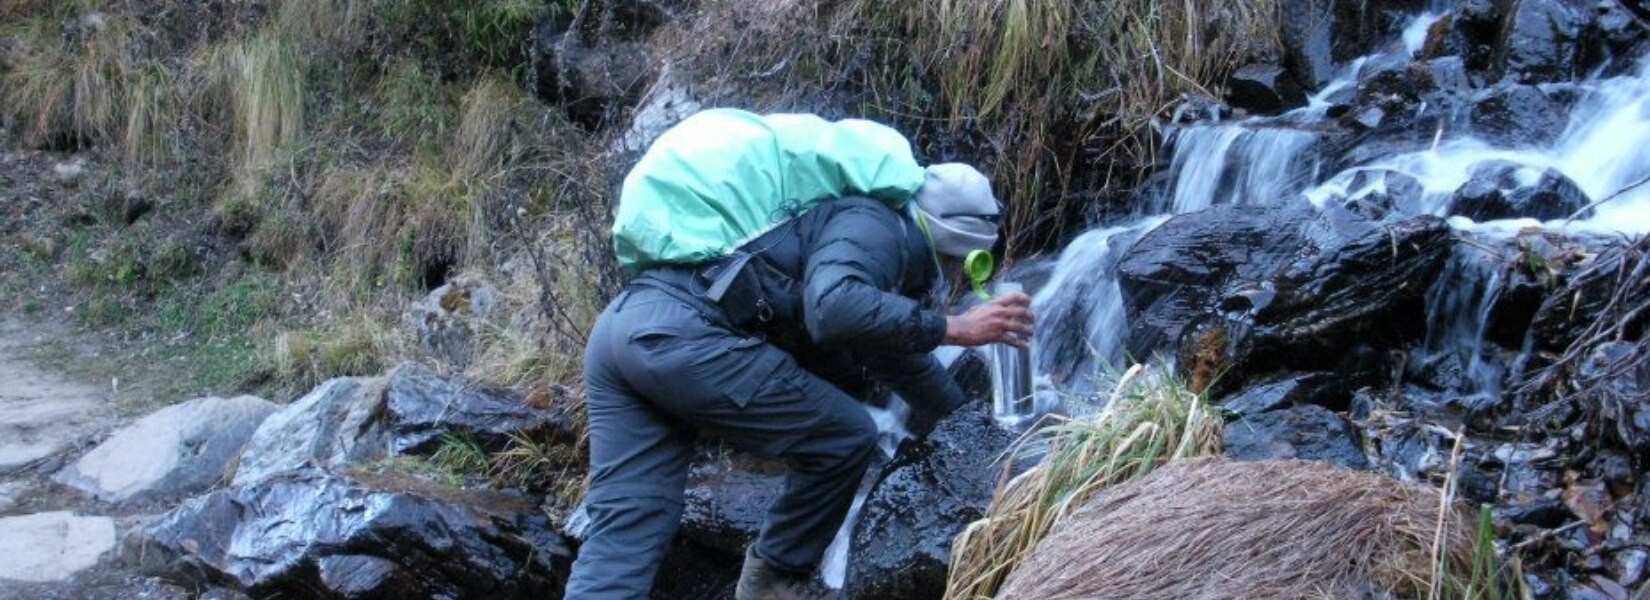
(657,371)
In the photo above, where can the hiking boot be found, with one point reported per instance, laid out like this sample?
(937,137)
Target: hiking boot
(759,580)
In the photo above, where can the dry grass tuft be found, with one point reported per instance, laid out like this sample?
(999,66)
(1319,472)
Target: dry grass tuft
(1150,419)
(71,92)
(1215,529)
(151,116)
(487,127)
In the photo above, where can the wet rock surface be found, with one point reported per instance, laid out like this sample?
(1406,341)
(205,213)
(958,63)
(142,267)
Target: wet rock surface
(1303,432)
(1500,189)
(424,408)
(317,534)
(334,425)
(1178,270)
(927,495)
(1264,89)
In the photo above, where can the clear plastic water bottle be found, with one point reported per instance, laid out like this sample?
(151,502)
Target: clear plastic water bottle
(1011,392)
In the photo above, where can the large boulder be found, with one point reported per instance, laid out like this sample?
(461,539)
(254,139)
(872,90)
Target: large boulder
(315,534)
(1264,89)
(1178,271)
(1356,282)
(1542,38)
(931,491)
(1519,115)
(175,451)
(351,420)
(338,423)
(1502,189)
(425,407)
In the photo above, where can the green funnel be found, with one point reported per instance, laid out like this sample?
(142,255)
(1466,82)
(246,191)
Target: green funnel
(979,266)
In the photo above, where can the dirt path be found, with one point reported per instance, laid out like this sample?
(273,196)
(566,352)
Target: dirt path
(41,413)
(54,542)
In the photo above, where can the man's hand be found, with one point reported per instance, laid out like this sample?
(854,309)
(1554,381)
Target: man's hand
(1005,319)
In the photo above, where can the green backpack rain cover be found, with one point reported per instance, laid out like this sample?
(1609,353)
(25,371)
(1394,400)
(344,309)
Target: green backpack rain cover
(724,176)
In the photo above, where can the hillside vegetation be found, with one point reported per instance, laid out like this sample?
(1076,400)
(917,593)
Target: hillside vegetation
(251,194)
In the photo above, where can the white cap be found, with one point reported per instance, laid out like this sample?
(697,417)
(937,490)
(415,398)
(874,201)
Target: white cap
(961,212)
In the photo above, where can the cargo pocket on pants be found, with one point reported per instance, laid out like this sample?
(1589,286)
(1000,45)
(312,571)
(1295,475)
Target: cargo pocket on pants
(763,374)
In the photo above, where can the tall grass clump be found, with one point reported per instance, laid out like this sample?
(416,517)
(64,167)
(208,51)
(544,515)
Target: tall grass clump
(1150,419)
(152,111)
(266,75)
(68,88)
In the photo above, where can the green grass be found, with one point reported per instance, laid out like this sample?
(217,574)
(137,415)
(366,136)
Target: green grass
(1149,419)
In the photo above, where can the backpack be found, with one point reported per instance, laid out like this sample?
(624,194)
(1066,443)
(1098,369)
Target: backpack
(723,176)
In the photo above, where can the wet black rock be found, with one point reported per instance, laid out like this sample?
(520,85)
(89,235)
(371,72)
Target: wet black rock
(1519,115)
(1378,194)
(1184,267)
(314,534)
(1321,33)
(1353,284)
(1264,89)
(1542,38)
(930,492)
(1501,189)
(727,496)
(1305,432)
(1616,36)
(1322,389)
(425,408)
(1307,42)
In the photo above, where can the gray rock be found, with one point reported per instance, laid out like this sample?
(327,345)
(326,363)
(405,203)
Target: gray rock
(175,451)
(424,407)
(451,316)
(317,534)
(337,423)
(1304,432)
(52,546)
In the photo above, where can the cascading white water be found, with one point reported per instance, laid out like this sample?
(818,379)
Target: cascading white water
(1458,311)
(1080,312)
(1264,161)
(1237,164)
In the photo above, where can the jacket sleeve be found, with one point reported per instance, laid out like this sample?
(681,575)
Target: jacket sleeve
(852,272)
(924,384)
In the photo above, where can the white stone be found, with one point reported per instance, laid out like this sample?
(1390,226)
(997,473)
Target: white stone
(51,546)
(175,451)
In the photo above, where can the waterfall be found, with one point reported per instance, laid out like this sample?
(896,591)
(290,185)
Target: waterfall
(1458,312)
(1237,164)
(1267,160)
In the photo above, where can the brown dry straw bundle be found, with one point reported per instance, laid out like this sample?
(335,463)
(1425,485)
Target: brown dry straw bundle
(1150,419)
(1213,528)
